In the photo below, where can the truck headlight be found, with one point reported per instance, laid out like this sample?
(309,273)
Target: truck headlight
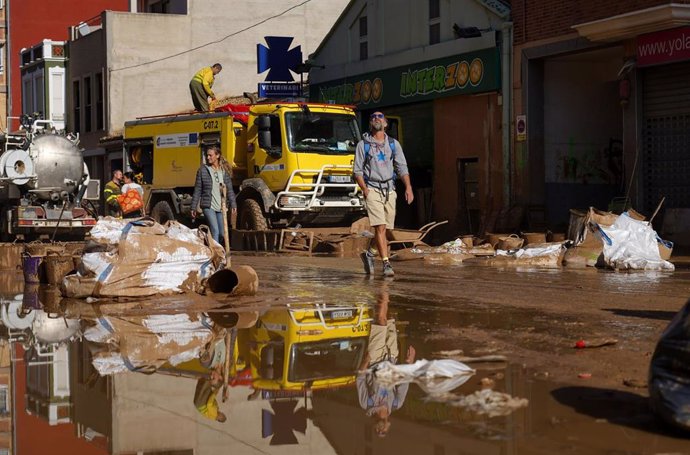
(292,201)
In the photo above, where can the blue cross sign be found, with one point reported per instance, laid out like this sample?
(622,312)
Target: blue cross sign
(278,58)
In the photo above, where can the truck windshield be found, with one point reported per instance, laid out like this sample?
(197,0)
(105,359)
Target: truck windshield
(325,359)
(321,132)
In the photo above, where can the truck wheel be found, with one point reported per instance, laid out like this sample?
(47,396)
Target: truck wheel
(162,212)
(251,216)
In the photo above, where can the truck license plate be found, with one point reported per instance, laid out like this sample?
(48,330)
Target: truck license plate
(340,179)
(342,314)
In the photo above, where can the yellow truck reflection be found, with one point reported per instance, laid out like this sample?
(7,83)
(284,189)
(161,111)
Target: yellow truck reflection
(306,346)
(294,349)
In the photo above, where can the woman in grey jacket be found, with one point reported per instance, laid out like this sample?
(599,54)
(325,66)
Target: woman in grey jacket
(210,179)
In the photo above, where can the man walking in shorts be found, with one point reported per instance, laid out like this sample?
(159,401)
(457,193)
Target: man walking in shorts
(378,159)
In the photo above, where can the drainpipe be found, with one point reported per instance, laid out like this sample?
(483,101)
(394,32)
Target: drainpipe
(506,91)
(8,66)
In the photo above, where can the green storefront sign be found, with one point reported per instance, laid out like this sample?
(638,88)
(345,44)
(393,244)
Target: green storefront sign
(473,72)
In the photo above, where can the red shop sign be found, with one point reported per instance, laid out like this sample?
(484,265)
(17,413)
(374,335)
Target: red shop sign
(663,47)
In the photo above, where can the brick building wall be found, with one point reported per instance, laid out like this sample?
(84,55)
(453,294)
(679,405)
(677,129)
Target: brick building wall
(542,19)
(3,62)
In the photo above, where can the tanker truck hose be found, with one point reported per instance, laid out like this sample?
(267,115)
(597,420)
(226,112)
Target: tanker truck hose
(236,281)
(64,204)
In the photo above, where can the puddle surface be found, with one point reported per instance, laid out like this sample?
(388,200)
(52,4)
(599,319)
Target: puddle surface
(135,377)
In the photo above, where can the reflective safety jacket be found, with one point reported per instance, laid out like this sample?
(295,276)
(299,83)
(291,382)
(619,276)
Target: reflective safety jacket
(205,77)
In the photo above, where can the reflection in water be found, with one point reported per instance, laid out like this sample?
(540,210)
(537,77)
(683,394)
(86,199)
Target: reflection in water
(144,378)
(377,399)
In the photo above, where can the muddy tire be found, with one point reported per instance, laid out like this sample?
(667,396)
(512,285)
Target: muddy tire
(162,212)
(251,217)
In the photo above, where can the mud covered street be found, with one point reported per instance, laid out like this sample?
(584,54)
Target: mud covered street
(526,322)
(581,400)
(532,316)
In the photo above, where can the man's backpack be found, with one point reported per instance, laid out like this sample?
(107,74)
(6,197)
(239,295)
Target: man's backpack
(391,143)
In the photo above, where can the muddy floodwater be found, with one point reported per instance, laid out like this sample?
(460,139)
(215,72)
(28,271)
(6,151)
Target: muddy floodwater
(142,377)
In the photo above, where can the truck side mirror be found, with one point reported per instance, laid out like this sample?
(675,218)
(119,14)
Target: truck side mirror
(267,357)
(263,122)
(269,135)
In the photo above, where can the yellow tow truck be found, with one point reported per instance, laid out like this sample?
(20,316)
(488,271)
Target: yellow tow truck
(291,162)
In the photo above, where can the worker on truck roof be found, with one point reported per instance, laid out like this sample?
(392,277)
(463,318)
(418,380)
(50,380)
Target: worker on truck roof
(200,86)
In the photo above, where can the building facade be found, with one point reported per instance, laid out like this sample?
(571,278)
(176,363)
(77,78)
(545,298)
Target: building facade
(434,68)
(603,89)
(129,65)
(3,67)
(25,28)
(43,77)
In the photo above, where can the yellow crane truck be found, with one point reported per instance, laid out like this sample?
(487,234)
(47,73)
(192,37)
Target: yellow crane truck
(295,349)
(306,346)
(291,162)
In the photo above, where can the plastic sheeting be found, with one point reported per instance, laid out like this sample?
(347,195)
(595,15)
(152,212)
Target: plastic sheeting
(146,343)
(632,245)
(435,377)
(143,258)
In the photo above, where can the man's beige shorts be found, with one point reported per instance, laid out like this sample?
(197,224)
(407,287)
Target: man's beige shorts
(379,211)
(383,342)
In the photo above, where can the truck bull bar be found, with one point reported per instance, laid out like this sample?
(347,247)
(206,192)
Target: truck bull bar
(313,198)
(324,312)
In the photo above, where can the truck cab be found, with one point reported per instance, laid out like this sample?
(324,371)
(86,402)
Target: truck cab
(306,346)
(292,351)
(291,162)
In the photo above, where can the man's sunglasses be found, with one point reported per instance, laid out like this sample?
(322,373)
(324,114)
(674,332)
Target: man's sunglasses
(377,116)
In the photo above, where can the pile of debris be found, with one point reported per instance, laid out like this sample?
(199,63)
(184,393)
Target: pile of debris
(595,239)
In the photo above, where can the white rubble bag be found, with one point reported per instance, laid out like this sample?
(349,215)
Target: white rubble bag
(630,244)
(136,258)
(137,343)
(435,377)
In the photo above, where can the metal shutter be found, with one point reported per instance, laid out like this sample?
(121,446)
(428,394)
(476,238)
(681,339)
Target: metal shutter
(666,135)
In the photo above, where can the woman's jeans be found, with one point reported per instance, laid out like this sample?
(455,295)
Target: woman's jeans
(215,223)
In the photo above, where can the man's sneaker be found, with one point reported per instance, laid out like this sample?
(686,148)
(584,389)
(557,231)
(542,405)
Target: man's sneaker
(368,261)
(388,269)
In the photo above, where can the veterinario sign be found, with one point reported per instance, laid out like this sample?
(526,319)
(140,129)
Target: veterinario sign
(473,72)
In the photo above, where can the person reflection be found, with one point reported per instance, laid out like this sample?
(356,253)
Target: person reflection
(380,400)
(205,395)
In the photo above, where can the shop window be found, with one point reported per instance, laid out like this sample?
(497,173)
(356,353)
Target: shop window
(434,33)
(363,41)
(87,104)
(4,403)
(56,91)
(39,95)
(99,102)
(434,9)
(163,6)
(434,22)
(27,95)
(26,57)
(76,107)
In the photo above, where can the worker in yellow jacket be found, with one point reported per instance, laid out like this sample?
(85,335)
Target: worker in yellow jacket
(205,396)
(200,86)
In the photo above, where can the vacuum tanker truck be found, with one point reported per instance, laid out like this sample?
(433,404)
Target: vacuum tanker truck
(43,181)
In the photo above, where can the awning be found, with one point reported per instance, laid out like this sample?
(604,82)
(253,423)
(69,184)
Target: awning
(632,24)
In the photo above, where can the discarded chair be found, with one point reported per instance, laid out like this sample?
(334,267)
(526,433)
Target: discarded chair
(411,237)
